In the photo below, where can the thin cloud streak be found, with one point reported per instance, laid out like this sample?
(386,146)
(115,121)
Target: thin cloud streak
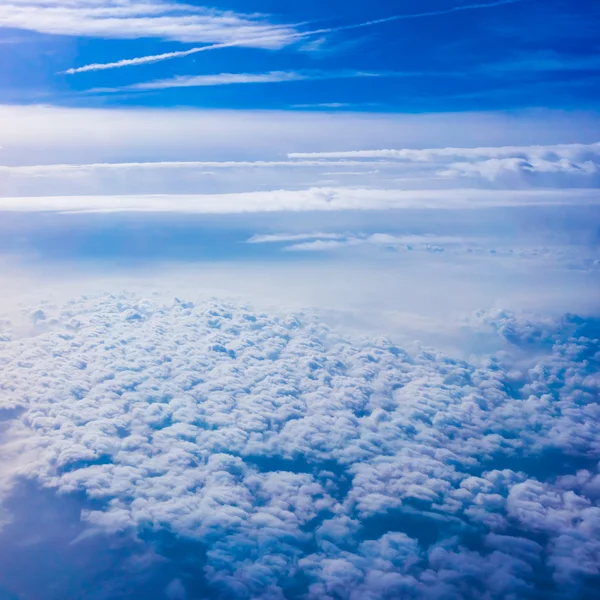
(52,169)
(328,199)
(219,79)
(432,13)
(144,60)
(292,37)
(428,154)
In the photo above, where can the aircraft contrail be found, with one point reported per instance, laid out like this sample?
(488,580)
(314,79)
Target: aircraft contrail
(142,60)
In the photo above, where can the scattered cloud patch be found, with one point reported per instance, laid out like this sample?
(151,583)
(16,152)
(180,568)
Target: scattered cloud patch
(566,256)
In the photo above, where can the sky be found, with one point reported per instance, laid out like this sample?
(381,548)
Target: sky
(299,300)
(377,57)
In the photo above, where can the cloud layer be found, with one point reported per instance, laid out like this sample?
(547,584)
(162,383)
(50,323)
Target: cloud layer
(489,163)
(312,465)
(313,199)
(181,152)
(30,135)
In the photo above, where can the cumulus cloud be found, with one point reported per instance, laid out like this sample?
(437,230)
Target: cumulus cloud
(310,464)
(496,167)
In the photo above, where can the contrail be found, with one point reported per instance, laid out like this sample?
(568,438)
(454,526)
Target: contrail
(142,60)
(421,15)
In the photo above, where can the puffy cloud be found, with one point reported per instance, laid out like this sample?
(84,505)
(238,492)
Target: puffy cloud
(496,167)
(309,464)
(564,160)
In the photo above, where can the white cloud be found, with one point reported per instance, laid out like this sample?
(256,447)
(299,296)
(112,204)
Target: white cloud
(130,20)
(282,447)
(581,160)
(182,176)
(218,79)
(312,199)
(32,135)
(279,37)
(496,167)
(321,242)
(67,170)
(84,152)
(153,58)
(240,78)
(545,154)
(293,237)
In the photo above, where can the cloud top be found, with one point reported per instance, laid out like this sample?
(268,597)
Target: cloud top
(309,464)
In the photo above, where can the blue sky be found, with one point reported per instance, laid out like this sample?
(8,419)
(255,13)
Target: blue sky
(299,300)
(435,56)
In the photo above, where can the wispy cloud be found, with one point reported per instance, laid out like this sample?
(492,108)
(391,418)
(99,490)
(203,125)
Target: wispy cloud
(214,80)
(67,169)
(126,19)
(40,135)
(325,199)
(544,62)
(252,78)
(278,238)
(281,36)
(319,242)
(431,13)
(144,60)
(324,105)
(553,152)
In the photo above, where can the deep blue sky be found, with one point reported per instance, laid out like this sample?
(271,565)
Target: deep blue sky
(529,53)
